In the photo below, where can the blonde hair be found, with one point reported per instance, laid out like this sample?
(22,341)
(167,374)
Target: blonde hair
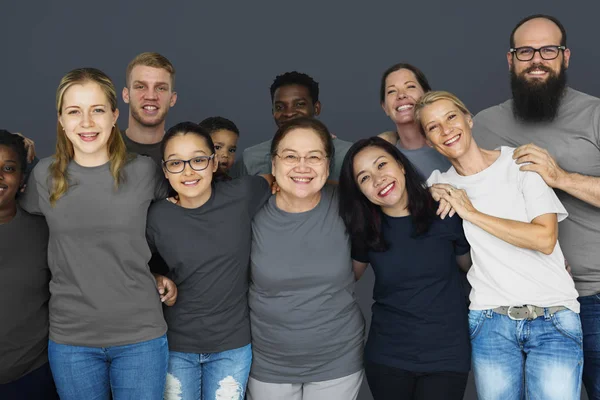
(117,151)
(432,97)
(150,59)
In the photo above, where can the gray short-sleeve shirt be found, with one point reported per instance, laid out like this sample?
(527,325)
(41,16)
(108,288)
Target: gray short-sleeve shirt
(306,324)
(208,251)
(102,291)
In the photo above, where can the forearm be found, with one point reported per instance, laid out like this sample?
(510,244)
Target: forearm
(526,235)
(585,188)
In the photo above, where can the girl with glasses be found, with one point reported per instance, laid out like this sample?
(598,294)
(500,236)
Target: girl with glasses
(204,234)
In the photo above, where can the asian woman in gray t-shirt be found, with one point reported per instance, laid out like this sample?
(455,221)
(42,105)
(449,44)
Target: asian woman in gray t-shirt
(307,328)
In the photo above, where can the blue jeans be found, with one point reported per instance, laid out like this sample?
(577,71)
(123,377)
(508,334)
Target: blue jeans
(133,371)
(590,321)
(221,375)
(534,359)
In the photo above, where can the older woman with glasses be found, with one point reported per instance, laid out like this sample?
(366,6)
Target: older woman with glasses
(203,234)
(307,329)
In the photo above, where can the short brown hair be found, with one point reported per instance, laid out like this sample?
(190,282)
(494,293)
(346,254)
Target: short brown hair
(154,60)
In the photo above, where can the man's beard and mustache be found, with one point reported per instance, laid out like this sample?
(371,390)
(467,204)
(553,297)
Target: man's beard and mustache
(536,101)
(137,115)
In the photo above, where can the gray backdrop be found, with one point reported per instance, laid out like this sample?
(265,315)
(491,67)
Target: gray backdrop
(227,53)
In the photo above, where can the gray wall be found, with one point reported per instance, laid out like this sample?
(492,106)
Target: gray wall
(227,53)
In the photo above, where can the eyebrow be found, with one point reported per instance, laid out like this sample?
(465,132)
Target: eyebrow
(196,151)
(93,105)
(393,85)
(310,151)
(374,162)
(291,100)
(146,83)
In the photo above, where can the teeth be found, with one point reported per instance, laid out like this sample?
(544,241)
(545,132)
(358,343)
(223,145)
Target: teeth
(405,107)
(454,139)
(537,72)
(302,179)
(191,182)
(150,108)
(386,189)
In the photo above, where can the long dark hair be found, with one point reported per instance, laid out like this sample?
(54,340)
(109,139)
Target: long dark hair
(362,218)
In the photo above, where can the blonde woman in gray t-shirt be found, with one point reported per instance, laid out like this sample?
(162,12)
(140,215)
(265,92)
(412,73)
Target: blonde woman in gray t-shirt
(307,329)
(107,331)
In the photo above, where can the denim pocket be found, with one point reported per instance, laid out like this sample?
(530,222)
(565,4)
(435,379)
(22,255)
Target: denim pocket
(568,323)
(476,318)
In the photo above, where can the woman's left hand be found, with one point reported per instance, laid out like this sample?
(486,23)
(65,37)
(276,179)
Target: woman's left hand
(457,198)
(166,289)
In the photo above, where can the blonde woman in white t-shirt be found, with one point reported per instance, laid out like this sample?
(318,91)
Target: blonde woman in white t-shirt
(524,324)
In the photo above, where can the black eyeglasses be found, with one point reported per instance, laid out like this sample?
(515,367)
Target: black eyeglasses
(197,164)
(546,52)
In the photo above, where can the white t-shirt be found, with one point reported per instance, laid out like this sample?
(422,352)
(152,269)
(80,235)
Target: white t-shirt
(503,274)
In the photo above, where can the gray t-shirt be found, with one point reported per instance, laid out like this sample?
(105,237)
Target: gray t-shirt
(24,278)
(306,324)
(573,138)
(256,160)
(426,160)
(103,293)
(208,251)
(150,150)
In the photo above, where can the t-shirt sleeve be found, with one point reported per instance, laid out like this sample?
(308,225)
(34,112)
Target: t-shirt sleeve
(461,245)
(30,199)
(434,178)
(359,253)
(257,192)
(539,198)
(161,184)
(239,168)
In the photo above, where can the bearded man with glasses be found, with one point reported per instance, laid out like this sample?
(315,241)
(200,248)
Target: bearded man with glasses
(558,129)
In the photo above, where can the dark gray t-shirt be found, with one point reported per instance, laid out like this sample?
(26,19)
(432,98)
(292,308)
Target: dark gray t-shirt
(103,293)
(150,150)
(208,252)
(573,138)
(24,294)
(306,324)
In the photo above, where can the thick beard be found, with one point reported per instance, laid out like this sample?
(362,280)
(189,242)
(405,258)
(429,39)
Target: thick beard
(537,102)
(138,117)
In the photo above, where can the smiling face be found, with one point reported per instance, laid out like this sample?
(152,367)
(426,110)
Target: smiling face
(88,121)
(193,187)
(11,177)
(304,179)
(537,33)
(293,101)
(150,95)
(402,92)
(380,177)
(225,147)
(447,128)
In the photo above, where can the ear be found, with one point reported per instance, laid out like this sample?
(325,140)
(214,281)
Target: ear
(272,165)
(317,107)
(509,59)
(470,121)
(115,116)
(165,172)
(429,143)
(383,107)
(125,95)
(60,121)
(567,57)
(215,161)
(173,99)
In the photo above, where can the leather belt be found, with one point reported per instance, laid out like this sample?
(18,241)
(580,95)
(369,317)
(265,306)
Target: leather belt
(527,311)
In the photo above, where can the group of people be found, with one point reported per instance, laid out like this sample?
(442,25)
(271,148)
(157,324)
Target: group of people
(151,263)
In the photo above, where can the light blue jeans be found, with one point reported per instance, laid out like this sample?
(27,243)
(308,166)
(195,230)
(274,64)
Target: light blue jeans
(534,359)
(208,376)
(130,372)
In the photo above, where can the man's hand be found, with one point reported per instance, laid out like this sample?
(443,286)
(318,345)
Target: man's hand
(541,162)
(166,289)
(29,146)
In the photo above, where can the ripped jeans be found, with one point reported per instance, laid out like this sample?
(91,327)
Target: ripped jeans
(218,376)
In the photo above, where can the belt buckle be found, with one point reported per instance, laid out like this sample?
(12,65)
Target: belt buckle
(516,312)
